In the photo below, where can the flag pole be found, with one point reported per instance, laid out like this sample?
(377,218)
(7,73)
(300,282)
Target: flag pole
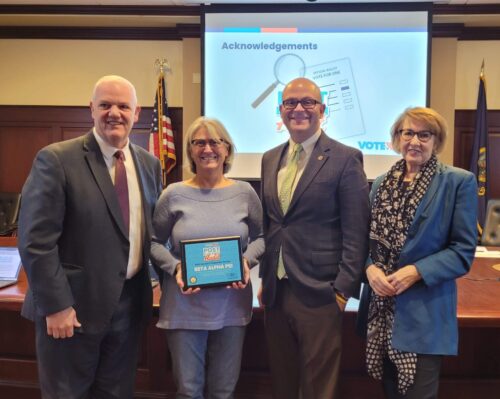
(162,66)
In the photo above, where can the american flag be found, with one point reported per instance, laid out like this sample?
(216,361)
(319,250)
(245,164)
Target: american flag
(161,137)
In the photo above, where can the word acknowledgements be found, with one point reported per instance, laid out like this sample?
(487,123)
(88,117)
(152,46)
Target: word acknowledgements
(269,46)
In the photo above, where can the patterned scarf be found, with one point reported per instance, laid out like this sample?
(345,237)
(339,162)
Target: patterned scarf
(392,214)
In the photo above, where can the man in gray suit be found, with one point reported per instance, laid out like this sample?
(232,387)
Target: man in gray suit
(84,238)
(315,201)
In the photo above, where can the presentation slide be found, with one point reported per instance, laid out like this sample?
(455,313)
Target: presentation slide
(370,66)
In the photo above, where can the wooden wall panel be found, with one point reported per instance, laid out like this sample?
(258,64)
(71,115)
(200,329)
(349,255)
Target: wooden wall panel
(68,133)
(464,134)
(18,341)
(24,130)
(473,374)
(18,146)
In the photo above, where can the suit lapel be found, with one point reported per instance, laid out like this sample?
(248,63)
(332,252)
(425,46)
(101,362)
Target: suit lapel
(319,156)
(99,170)
(274,167)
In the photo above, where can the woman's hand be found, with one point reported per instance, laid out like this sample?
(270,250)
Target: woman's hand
(379,281)
(404,278)
(180,282)
(246,276)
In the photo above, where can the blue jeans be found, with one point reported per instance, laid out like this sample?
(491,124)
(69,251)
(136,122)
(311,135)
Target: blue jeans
(206,358)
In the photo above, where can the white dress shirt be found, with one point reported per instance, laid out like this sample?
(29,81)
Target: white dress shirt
(136,230)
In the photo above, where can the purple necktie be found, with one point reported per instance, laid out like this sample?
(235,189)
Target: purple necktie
(121,186)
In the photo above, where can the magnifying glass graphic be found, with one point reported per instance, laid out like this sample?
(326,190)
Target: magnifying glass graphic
(286,68)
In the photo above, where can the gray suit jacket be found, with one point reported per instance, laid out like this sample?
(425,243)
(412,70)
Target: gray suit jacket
(324,234)
(72,238)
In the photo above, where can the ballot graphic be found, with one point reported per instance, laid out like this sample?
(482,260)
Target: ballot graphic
(343,117)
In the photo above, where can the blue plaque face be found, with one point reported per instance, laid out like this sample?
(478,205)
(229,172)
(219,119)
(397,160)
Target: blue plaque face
(211,262)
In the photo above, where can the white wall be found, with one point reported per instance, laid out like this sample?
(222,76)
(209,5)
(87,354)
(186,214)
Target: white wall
(470,55)
(63,72)
(443,69)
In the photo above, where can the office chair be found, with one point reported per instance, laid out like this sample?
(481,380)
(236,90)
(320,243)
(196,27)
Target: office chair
(491,230)
(9,211)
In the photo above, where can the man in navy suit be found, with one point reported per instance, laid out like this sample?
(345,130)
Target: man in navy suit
(86,253)
(315,201)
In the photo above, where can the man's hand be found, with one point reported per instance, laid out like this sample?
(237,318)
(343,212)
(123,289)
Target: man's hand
(62,324)
(180,282)
(379,281)
(404,278)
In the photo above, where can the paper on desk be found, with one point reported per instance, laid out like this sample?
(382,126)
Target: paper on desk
(9,262)
(487,254)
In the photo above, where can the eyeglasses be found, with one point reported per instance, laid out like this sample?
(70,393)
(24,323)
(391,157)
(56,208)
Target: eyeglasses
(201,143)
(307,103)
(423,135)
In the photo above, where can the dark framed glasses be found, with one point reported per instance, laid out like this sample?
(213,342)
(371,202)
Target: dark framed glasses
(201,143)
(307,103)
(423,135)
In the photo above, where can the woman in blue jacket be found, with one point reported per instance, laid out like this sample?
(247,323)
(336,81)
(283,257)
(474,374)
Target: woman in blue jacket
(422,237)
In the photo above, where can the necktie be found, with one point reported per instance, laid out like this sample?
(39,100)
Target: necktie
(121,186)
(285,196)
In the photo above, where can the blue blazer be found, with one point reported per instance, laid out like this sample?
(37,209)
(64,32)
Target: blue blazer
(441,243)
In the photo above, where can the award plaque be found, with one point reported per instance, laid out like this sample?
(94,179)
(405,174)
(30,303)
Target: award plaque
(211,262)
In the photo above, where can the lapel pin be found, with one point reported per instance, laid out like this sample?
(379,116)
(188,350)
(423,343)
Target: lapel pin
(320,158)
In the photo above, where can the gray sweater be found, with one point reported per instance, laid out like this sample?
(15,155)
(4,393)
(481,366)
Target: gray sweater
(184,212)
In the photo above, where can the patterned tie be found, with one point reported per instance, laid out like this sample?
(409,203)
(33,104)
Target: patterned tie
(121,186)
(285,196)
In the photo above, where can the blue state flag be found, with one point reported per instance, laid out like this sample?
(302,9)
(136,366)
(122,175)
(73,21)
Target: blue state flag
(479,158)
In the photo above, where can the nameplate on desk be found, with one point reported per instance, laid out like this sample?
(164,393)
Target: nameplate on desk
(211,262)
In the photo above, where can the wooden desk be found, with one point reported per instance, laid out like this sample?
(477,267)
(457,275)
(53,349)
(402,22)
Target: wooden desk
(479,295)
(475,373)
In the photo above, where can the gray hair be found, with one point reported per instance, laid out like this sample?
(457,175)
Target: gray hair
(215,130)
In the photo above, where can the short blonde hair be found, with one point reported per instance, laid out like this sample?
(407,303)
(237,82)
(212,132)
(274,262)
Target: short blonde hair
(428,117)
(215,130)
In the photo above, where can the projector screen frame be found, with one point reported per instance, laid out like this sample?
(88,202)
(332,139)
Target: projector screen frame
(315,8)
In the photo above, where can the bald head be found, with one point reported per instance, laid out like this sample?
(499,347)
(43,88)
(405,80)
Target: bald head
(304,119)
(303,84)
(114,80)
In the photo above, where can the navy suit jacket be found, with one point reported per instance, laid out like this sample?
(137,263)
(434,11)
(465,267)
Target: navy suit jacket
(324,234)
(441,243)
(72,239)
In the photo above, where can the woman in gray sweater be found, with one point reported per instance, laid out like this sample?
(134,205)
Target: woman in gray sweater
(205,328)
